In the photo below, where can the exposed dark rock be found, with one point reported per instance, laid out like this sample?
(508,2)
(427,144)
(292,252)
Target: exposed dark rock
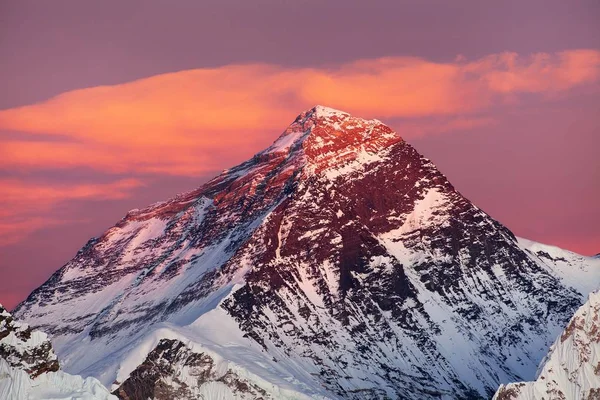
(173,371)
(28,350)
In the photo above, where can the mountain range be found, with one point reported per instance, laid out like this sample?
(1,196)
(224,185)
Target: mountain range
(338,263)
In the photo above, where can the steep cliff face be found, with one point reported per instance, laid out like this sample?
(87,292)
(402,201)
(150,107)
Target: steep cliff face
(337,263)
(29,368)
(571,370)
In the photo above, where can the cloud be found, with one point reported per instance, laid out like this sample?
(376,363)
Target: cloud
(539,73)
(200,120)
(168,158)
(26,207)
(196,121)
(44,194)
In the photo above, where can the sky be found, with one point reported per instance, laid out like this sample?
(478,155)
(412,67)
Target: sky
(109,106)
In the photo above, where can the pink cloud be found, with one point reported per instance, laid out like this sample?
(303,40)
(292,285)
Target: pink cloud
(26,207)
(190,122)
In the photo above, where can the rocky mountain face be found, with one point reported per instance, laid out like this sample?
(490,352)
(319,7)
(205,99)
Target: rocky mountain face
(338,263)
(23,348)
(571,370)
(174,371)
(29,368)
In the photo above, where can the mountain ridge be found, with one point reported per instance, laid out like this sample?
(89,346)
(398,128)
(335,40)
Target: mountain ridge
(29,369)
(571,369)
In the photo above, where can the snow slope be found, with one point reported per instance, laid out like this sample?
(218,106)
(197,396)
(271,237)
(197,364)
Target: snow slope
(338,263)
(571,370)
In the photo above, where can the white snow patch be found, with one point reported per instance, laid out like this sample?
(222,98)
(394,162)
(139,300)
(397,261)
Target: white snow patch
(16,384)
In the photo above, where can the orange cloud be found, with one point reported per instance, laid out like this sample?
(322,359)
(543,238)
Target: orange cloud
(17,191)
(196,121)
(171,158)
(24,206)
(539,73)
(186,122)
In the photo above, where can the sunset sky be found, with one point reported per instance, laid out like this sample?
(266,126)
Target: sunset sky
(108,106)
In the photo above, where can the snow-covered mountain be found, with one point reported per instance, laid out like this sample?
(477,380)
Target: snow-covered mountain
(29,368)
(571,370)
(338,264)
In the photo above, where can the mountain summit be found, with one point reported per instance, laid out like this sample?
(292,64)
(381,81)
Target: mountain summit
(336,264)
(328,137)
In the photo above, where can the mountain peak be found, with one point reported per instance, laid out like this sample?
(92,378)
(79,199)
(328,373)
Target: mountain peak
(339,263)
(324,111)
(326,135)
